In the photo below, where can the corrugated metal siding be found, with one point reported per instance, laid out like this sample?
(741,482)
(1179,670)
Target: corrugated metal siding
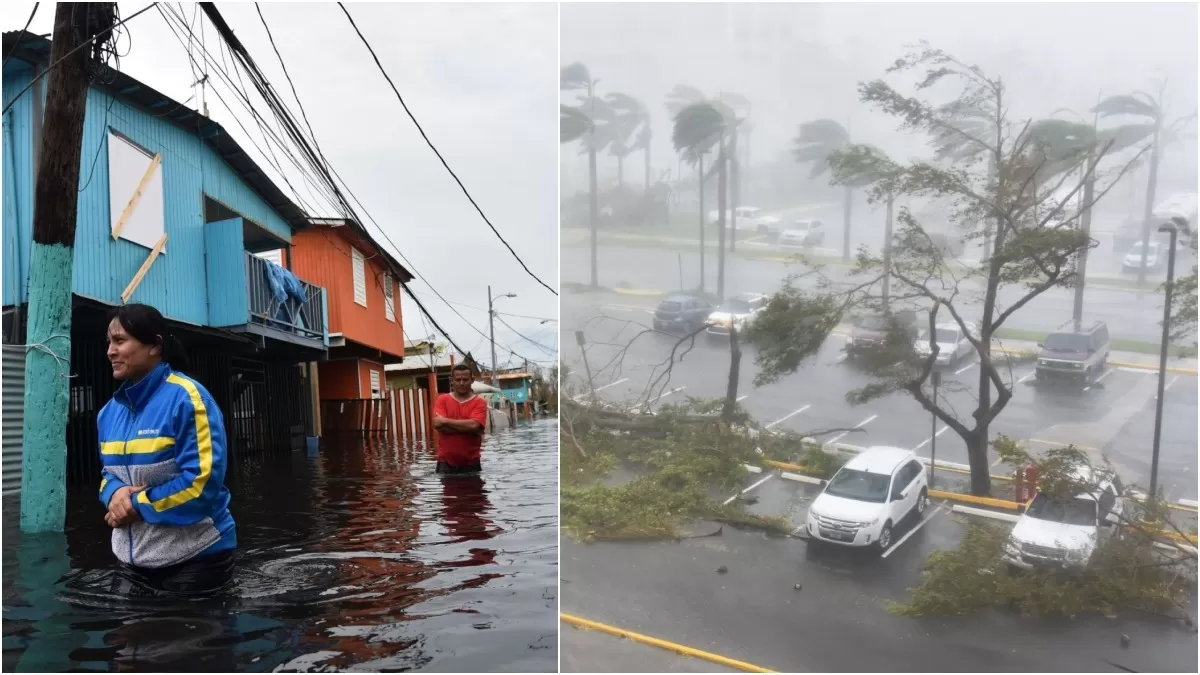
(14,415)
(103,267)
(16,76)
(323,258)
(225,264)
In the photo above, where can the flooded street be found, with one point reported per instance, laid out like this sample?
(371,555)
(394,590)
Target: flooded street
(357,557)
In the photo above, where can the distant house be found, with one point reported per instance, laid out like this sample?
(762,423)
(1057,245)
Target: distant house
(420,359)
(171,213)
(366,324)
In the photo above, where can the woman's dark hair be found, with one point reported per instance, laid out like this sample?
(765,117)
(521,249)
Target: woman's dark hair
(147,325)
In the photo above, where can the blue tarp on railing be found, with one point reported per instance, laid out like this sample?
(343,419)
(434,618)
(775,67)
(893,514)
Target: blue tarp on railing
(285,285)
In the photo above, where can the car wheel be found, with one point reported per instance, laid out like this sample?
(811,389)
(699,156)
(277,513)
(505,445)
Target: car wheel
(885,536)
(922,502)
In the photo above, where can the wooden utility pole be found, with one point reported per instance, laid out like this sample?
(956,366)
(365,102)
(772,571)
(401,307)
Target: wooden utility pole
(48,356)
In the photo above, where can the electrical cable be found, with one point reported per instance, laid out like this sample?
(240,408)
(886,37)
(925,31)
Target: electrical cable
(17,42)
(86,43)
(439,154)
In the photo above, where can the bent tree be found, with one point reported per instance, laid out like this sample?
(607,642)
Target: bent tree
(1007,185)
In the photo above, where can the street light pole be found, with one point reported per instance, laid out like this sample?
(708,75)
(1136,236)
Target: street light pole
(492,332)
(1172,229)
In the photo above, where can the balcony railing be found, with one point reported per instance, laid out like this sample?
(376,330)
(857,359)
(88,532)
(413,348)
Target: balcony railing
(302,318)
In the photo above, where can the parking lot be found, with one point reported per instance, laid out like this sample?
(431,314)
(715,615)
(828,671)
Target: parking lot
(1113,418)
(785,605)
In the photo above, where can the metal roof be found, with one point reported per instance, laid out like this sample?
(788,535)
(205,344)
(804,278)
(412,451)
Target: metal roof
(35,49)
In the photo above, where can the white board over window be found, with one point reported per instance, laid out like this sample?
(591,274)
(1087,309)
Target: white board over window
(275,256)
(128,165)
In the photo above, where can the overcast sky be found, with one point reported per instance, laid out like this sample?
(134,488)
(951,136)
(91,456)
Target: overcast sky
(481,79)
(798,62)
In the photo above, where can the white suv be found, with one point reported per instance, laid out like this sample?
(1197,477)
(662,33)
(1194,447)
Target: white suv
(865,500)
(1065,534)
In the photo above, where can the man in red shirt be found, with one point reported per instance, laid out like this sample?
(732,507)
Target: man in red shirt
(460,418)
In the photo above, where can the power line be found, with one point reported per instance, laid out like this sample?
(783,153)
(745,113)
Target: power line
(86,43)
(439,155)
(20,35)
(517,316)
(548,350)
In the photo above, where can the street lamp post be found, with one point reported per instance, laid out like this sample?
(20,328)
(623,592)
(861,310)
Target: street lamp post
(1171,228)
(492,332)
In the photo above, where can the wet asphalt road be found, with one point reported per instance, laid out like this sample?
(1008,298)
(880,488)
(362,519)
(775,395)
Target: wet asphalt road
(1114,418)
(837,621)
(1130,315)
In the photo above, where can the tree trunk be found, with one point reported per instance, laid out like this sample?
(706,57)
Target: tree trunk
(593,198)
(700,192)
(847,206)
(1085,224)
(733,191)
(1151,186)
(735,364)
(48,356)
(621,170)
(722,205)
(977,459)
(887,252)
(646,152)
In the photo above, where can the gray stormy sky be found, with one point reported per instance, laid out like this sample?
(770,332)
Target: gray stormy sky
(797,62)
(481,79)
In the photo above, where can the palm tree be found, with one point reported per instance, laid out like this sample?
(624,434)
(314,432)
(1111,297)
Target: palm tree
(699,127)
(573,123)
(1150,108)
(816,141)
(631,131)
(736,103)
(574,77)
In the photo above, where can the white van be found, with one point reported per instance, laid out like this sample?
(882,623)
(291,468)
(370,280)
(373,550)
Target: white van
(1064,535)
(868,496)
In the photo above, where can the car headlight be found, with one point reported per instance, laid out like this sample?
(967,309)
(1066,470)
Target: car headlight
(1077,555)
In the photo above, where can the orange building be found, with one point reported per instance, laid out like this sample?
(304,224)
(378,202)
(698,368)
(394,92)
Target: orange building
(366,326)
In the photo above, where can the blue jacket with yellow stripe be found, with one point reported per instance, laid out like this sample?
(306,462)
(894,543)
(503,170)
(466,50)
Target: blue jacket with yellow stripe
(166,432)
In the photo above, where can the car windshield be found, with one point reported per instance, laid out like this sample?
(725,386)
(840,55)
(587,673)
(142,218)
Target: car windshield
(1070,512)
(669,306)
(800,226)
(875,322)
(1137,248)
(1066,342)
(736,306)
(859,486)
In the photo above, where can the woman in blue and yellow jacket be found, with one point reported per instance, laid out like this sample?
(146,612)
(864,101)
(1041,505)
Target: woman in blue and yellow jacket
(163,451)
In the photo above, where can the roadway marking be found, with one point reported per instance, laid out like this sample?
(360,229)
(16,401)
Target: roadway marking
(860,425)
(580,622)
(1062,444)
(1100,379)
(965,368)
(1167,387)
(610,384)
(997,462)
(841,358)
(665,394)
(1025,378)
(788,416)
(741,398)
(927,440)
(729,501)
(913,531)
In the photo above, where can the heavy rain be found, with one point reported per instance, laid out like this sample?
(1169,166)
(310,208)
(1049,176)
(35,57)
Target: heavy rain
(930,243)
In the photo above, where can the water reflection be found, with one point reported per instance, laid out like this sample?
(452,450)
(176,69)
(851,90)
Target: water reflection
(361,556)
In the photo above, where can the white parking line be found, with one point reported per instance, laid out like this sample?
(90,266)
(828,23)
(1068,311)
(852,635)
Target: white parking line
(912,531)
(788,416)
(927,440)
(766,478)
(742,397)
(964,369)
(1100,379)
(860,425)
(667,393)
(840,358)
(1167,386)
(1025,378)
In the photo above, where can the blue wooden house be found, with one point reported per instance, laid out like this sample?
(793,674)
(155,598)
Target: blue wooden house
(175,214)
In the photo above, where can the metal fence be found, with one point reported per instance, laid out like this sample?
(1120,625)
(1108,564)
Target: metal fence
(14,416)
(302,318)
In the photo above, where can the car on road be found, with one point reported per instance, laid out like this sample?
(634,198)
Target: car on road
(1156,257)
(739,311)
(868,497)
(870,331)
(749,219)
(1077,352)
(683,313)
(803,232)
(1064,534)
(952,342)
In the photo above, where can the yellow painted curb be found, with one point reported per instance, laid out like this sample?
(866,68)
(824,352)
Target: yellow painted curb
(972,499)
(1147,366)
(579,622)
(798,468)
(638,292)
